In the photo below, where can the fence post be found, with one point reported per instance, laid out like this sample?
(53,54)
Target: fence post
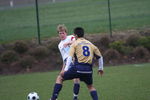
(53,1)
(110,25)
(38,23)
(11,3)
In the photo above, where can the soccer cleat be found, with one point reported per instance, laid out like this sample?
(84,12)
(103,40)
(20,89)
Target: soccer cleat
(75,98)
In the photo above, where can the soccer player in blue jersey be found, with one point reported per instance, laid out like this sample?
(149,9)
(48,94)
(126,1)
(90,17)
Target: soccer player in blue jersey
(82,52)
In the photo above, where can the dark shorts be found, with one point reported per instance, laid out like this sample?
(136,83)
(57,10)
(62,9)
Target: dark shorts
(72,73)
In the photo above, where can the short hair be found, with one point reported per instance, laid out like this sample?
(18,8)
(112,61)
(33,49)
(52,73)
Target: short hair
(61,27)
(79,31)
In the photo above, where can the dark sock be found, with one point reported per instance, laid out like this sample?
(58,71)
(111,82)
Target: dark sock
(94,95)
(76,89)
(56,91)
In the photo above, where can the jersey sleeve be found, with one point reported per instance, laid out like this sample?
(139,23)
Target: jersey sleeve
(72,50)
(72,38)
(97,53)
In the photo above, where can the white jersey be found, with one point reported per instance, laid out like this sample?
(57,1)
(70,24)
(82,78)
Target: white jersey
(65,50)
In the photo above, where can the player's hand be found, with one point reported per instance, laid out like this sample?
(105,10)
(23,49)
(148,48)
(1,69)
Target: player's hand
(66,44)
(100,72)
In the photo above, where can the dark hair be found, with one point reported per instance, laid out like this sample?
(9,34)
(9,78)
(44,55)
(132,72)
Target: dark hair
(79,31)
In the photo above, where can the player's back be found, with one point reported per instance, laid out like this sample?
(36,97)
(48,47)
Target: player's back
(84,51)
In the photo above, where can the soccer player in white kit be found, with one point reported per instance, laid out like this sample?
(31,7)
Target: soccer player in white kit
(64,47)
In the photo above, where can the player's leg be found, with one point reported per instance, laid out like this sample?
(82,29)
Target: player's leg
(76,88)
(68,75)
(93,92)
(57,87)
(88,79)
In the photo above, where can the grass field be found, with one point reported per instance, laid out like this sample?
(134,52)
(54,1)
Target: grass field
(124,82)
(20,23)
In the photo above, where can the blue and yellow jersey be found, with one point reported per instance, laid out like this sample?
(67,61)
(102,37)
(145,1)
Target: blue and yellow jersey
(84,51)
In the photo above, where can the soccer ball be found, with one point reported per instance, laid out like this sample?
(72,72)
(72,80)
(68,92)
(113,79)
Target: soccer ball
(33,96)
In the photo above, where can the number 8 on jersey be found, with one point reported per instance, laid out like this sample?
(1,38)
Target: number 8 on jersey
(86,51)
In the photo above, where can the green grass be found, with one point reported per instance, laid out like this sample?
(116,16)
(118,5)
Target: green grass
(20,23)
(124,82)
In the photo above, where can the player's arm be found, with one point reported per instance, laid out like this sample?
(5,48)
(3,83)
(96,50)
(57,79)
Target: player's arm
(100,63)
(68,44)
(72,39)
(69,59)
(66,66)
(98,55)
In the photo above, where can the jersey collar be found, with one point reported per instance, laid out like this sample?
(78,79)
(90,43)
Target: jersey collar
(80,39)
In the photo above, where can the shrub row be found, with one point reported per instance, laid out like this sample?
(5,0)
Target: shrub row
(113,49)
(120,47)
(23,54)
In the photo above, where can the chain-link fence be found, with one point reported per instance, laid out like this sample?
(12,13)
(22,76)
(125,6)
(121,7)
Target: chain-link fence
(17,3)
(18,17)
